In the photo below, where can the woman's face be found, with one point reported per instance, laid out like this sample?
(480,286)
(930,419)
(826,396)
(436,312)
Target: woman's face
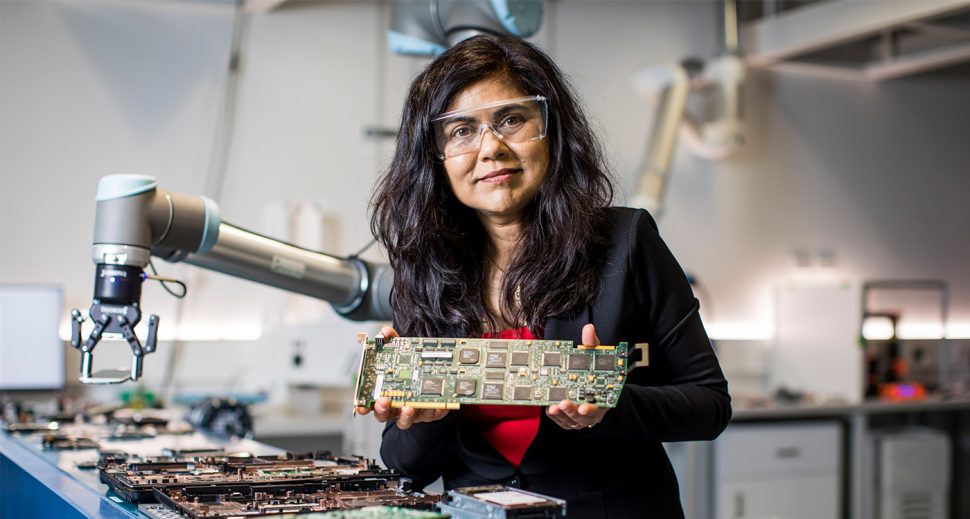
(502,177)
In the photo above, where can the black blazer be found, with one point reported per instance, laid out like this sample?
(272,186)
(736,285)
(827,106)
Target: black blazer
(619,467)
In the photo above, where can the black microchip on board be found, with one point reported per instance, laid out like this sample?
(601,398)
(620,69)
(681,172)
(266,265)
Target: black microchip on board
(605,361)
(469,356)
(448,343)
(495,359)
(558,393)
(493,391)
(522,393)
(520,358)
(433,386)
(578,362)
(466,387)
(495,375)
(550,358)
(499,345)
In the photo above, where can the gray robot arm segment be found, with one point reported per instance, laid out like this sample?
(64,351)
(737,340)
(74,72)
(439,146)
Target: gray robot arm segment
(136,220)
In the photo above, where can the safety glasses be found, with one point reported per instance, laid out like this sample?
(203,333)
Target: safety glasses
(515,120)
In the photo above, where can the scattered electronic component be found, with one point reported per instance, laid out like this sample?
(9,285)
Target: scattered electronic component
(30,427)
(104,457)
(159,511)
(244,485)
(130,434)
(61,442)
(140,416)
(232,501)
(87,464)
(122,424)
(443,373)
(217,451)
(497,502)
(64,417)
(224,417)
(382,512)
(135,480)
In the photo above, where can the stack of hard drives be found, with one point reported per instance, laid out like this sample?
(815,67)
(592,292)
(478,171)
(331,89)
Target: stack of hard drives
(498,502)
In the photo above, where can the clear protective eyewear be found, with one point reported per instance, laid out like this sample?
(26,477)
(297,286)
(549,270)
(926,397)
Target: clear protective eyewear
(514,120)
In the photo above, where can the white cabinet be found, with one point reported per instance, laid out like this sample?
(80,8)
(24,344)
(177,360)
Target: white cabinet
(778,471)
(911,477)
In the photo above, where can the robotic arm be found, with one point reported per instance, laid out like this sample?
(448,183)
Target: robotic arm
(429,27)
(136,220)
(717,84)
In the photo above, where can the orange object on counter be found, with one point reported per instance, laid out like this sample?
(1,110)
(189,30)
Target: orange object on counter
(902,391)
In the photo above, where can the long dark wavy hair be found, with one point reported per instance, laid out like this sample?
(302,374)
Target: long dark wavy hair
(436,245)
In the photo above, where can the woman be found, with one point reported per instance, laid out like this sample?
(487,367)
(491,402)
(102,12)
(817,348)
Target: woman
(494,213)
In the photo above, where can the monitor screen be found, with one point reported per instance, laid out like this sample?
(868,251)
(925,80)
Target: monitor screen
(31,353)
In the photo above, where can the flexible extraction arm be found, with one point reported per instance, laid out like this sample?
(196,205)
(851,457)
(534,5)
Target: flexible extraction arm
(136,220)
(716,84)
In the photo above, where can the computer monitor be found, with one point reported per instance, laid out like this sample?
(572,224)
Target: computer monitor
(31,353)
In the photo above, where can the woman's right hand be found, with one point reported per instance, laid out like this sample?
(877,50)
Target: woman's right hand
(404,416)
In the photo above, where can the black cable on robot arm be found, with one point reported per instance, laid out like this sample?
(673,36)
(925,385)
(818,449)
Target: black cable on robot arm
(164,280)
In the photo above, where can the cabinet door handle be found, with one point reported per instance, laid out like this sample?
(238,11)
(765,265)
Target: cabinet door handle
(738,505)
(788,452)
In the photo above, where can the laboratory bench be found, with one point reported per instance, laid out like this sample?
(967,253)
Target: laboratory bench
(824,445)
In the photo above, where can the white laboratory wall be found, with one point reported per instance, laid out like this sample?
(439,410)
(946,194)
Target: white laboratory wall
(874,175)
(95,88)
(308,86)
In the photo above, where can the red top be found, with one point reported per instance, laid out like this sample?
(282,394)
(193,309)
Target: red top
(508,428)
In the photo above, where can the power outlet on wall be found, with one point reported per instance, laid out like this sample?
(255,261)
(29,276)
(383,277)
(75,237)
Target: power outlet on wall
(298,347)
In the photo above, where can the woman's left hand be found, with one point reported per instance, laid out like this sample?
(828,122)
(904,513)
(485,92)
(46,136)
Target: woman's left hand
(567,414)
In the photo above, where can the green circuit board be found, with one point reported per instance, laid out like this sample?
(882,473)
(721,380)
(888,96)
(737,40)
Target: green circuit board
(444,373)
(376,512)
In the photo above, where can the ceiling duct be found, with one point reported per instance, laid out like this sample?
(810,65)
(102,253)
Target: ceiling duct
(871,40)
